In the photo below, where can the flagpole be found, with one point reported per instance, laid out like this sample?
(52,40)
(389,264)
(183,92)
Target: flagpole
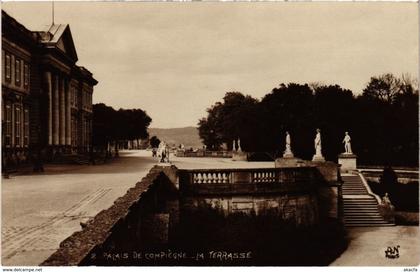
(52,7)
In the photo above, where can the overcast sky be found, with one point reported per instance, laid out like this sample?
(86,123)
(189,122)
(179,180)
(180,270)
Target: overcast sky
(176,59)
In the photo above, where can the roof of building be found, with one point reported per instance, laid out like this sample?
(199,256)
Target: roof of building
(59,36)
(52,37)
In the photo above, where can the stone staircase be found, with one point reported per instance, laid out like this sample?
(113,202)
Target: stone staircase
(360,209)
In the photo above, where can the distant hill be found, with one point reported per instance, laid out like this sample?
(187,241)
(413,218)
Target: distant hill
(186,135)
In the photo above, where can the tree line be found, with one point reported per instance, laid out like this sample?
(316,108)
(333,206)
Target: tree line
(112,127)
(382,120)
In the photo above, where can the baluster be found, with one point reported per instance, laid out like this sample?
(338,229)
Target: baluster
(225,178)
(194,178)
(219,178)
(213,177)
(204,178)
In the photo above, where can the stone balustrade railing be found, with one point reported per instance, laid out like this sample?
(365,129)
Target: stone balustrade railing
(228,181)
(202,153)
(257,175)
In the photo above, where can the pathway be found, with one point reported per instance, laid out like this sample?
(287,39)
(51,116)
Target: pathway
(41,210)
(368,244)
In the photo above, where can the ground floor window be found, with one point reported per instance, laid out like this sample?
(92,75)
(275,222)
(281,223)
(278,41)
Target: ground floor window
(18,122)
(73,131)
(26,127)
(8,125)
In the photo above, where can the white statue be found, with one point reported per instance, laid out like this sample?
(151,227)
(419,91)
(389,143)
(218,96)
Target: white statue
(318,149)
(233,146)
(239,145)
(347,143)
(288,151)
(386,200)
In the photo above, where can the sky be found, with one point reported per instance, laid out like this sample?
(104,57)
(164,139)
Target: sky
(174,60)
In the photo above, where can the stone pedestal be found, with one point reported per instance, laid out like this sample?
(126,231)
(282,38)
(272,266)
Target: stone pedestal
(318,158)
(348,162)
(289,162)
(239,156)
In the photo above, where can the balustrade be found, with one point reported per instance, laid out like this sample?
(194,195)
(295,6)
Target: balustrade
(258,176)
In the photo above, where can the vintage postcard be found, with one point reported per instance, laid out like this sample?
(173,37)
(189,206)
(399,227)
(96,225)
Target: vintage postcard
(210,134)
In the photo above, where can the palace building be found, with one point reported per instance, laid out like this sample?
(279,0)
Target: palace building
(46,96)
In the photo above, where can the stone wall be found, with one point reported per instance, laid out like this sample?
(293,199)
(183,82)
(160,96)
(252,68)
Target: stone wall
(145,217)
(301,210)
(404,177)
(155,215)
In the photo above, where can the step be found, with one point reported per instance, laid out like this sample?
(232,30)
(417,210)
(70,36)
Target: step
(363,217)
(352,207)
(365,220)
(360,203)
(369,225)
(361,200)
(369,211)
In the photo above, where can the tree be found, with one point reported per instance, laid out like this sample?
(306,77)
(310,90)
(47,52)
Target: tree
(387,87)
(154,142)
(228,120)
(287,108)
(114,126)
(383,121)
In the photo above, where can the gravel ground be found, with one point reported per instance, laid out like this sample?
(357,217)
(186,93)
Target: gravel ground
(41,210)
(367,246)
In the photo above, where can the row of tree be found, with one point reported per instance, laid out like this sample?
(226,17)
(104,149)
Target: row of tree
(382,121)
(111,127)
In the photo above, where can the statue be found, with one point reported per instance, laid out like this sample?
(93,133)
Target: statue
(288,151)
(318,149)
(239,145)
(386,200)
(347,144)
(233,146)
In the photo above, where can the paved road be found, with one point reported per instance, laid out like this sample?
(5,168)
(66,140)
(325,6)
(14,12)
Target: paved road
(367,246)
(39,211)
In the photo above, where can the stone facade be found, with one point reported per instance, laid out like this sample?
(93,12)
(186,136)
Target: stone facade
(46,97)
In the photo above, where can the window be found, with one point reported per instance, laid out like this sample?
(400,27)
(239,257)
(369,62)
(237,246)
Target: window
(26,128)
(8,128)
(73,131)
(17,72)
(76,98)
(8,68)
(26,76)
(71,96)
(17,125)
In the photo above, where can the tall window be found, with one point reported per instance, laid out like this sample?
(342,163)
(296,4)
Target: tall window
(17,72)
(17,125)
(26,76)
(73,131)
(26,128)
(8,128)
(8,68)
